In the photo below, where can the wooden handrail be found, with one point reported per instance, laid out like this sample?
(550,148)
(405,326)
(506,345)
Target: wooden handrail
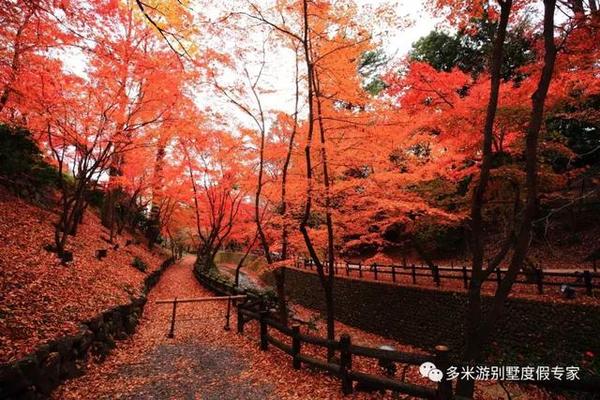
(200,299)
(539,278)
(280,345)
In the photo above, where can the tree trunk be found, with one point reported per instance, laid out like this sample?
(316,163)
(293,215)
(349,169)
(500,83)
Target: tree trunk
(154,220)
(474,311)
(326,282)
(481,327)
(284,174)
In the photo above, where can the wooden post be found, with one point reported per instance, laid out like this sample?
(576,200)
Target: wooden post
(240,320)
(465,277)
(296,344)
(539,275)
(375,270)
(393,273)
(345,363)
(414,274)
(444,389)
(347,269)
(172,331)
(436,276)
(264,343)
(587,278)
(359,269)
(498,276)
(226,327)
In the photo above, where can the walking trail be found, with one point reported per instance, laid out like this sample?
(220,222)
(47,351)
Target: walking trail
(203,361)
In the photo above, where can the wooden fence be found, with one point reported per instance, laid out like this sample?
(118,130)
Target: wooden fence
(256,308)
(539,278)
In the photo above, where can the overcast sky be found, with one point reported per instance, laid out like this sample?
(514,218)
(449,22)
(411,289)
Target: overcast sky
(278,77)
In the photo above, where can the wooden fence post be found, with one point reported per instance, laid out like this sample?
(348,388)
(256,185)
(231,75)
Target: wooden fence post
(498,276)
(587,278)
(240,320)
(539,277)
(444,389)
(436,276)
(393,273)
(347,269)
(172,330)
(226,327)
(264,343)
(345,363)
(414,274)
(375,270)
(465,277)
(359,269)
(262,320)
(296,344)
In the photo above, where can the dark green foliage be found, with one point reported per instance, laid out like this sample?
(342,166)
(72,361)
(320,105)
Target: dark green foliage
(95,197)
(443,193)
(470,51)
(369,67)
(558,160)
(139,264)
(22,167)
(440,50)
(462,188)
(440,239)
(501,158)
(575,126)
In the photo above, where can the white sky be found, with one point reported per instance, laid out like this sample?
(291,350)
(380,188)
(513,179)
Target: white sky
(278,76)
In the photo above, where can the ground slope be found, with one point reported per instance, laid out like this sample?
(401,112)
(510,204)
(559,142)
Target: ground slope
(40,299)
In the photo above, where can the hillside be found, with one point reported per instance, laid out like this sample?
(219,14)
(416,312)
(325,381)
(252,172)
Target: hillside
(41,299)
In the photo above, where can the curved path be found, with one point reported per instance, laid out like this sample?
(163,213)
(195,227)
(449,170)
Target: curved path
(202,362)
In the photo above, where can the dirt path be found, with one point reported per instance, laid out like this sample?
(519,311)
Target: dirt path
(202,362)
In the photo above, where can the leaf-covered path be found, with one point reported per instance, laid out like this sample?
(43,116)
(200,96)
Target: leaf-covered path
(202,362)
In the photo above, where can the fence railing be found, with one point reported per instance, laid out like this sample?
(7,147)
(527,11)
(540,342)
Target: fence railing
(292,341)
(589,280)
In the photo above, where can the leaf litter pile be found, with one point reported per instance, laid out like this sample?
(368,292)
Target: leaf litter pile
(41,299)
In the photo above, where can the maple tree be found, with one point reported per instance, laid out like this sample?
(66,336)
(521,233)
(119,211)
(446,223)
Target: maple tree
(503,121)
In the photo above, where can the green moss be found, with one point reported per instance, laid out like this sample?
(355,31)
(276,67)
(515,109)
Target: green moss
(139,264)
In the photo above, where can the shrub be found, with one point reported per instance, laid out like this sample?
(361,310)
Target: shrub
(139,264)
(22,166)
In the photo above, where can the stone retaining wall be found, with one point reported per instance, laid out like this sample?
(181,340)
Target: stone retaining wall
(531,331)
